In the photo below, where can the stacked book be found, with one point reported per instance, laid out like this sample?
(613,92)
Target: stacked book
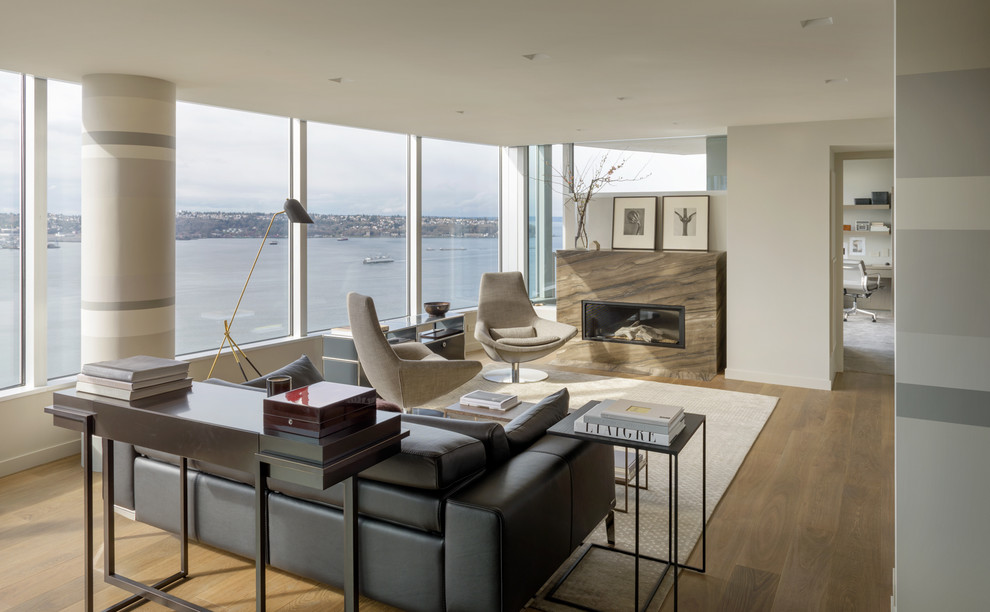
(879,226)
(487,399)
(133,378)
(632,420)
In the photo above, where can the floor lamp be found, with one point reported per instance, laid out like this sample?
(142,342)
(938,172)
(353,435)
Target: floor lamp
(296,214)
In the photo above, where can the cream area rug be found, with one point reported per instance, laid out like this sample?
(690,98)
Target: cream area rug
(603,580)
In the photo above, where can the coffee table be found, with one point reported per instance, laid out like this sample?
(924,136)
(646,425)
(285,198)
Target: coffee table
(476,413)
(224,426)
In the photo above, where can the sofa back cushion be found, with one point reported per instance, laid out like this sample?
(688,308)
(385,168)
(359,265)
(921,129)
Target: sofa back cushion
(302,371)
(489,433)
(431,458)
(531,425)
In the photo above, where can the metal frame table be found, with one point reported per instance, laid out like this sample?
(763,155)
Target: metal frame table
(692,423)
(224,426)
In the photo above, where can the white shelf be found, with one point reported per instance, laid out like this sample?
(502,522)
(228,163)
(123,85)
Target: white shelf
(867,206)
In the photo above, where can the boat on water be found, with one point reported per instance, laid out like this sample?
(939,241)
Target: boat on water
(53,245)
(273,242)
(341,239)
(374,259)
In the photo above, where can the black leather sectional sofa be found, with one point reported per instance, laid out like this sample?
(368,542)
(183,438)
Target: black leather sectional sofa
(468,516)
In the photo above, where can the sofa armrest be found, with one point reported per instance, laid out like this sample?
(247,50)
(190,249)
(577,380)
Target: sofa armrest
(489,433)
(493,527)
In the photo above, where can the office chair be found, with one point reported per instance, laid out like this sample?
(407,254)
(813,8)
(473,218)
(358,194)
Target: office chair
(857,283)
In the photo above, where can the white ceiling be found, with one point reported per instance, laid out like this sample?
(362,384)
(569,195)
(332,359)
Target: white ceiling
(455,69)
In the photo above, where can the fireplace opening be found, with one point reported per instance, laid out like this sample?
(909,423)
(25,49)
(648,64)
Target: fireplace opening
(648,324)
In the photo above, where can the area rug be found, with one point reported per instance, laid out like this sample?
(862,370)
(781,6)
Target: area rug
(733,420)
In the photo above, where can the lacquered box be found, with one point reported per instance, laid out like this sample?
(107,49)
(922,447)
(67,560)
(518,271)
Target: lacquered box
(320,409)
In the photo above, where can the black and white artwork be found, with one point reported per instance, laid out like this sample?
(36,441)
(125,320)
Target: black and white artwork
(634,223)
(684,223)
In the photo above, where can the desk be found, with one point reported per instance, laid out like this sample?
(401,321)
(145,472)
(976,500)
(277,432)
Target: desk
(221,425)
(692,423)
(882,298)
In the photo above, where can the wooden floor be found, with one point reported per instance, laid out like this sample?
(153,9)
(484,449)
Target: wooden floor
(807,524)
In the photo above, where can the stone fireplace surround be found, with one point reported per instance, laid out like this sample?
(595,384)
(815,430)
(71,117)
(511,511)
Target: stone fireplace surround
(695,280)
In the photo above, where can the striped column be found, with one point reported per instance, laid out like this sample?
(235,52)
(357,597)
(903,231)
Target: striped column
(942,242)
(128,217)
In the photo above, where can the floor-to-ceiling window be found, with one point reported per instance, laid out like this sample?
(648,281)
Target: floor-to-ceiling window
(460,219)
(232,175)
(10,229)
(64,218)
(544,207)
(357,197)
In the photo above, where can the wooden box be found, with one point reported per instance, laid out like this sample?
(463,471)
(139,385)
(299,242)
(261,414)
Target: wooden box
(320,409)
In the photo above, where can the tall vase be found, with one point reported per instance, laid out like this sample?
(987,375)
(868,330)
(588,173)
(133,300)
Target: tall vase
(581,231)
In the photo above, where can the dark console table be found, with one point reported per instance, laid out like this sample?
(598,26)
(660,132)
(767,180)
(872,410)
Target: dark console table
(220,425)
(692,423)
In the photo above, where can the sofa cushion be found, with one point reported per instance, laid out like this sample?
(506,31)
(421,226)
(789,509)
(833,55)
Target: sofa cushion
(430,458)
(302,371)
(531,425)
(489,433)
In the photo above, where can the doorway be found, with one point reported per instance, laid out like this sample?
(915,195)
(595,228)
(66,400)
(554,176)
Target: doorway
(864,191)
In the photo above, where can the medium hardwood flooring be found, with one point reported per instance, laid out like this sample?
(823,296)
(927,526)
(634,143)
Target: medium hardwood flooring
(807,524)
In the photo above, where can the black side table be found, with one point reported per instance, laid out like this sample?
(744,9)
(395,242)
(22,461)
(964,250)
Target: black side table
(692,423)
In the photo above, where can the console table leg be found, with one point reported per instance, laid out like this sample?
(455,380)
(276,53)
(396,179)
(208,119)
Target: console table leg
(260,533)
(351,594)
(87,454)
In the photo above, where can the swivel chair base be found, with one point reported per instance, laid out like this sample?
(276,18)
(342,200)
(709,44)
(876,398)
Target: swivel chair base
(515,374)
(855,309)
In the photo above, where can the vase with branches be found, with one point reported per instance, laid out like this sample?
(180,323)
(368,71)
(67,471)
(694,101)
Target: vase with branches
(582,186)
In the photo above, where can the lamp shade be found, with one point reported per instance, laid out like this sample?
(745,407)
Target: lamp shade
(295,211)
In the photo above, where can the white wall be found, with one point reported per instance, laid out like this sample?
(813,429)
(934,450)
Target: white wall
(778,236)
(599,221)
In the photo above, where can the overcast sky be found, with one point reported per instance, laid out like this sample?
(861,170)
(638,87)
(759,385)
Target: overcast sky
(239,161)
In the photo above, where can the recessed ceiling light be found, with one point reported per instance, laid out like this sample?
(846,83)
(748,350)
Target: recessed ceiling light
(623,98)
(841,80)
(818,21)
(536,57)
(459,112)
(342,80)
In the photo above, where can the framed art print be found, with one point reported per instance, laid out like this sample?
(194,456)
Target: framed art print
(857,247)
(634,223)
(684,223)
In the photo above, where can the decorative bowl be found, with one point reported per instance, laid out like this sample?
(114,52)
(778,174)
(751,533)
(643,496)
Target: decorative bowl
(436,309)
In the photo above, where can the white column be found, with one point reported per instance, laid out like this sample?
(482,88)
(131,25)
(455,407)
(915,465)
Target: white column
(414,220)
(128,217)
(297,231)
(35,247)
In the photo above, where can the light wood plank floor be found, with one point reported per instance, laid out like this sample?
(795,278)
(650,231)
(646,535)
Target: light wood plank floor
(807,524)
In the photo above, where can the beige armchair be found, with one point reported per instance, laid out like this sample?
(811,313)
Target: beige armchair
(408,374)
(509,329)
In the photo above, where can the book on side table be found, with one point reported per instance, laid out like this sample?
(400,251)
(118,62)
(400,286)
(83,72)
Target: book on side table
(600,420)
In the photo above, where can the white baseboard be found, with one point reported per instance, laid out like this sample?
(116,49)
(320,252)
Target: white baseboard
(823,384)
(39,457)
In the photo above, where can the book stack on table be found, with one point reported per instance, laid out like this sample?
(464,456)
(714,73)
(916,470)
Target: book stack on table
(633,420)
(488,399)
(134,378)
